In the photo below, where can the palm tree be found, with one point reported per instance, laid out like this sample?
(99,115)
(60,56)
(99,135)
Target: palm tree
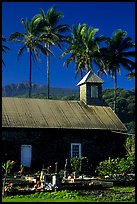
(32,43)
(51,33)
(76,49)
(4,48)
(84,49)
(118,53)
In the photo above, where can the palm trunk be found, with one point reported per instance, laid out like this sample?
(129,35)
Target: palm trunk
(115,88)
(48,71)
(30,83)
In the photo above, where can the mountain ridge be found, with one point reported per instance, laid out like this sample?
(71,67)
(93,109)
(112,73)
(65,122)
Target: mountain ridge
(17,89)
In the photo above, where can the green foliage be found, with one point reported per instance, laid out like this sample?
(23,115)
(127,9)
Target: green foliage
(108,167)
(65,194)
(131,107)
(116,166)
(125,106)
(75,163)
(130,145)
(127,165)
(131,127)
(71,97)
(83,48)
(114,194)
(7,166)
(53,96)
(120,165)
(121,103)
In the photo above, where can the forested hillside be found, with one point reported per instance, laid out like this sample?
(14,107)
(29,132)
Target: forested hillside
(125,106)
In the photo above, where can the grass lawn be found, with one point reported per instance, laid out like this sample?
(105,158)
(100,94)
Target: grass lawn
(111,195)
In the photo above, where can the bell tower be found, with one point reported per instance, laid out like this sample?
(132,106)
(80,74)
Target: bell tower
(91,89)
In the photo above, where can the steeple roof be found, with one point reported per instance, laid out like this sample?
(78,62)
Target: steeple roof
(91,78)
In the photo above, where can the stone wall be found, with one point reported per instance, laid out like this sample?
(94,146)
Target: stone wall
(53,145)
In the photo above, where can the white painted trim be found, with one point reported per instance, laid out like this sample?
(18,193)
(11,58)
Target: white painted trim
(79,144)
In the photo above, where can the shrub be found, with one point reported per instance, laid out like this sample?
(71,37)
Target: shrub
(76,163)
(130,145)
(6,167)
(118,166)
(108,167)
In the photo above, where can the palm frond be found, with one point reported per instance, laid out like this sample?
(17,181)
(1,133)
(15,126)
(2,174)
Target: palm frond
(128,64)
(61,28)
(66,52)
(93,32)
(129,61)
(21,50)
(100,38)
(3,62)
(42,13)
(25,24)
(128,54)
(16,36)
(131,75)
(36,19)
(118,36)
(42,48)
(53,17)
(126,43)
(35,56)
(4,48)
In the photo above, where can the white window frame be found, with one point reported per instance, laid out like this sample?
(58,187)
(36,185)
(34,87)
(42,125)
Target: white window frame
(78,144)
(94,93)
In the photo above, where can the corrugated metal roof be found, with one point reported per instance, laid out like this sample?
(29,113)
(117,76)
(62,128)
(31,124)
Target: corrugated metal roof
(42,113)
(90,77)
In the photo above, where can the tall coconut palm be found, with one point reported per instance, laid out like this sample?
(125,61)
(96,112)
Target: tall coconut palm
(118,53)
(51,33)
(4,48)
(84,49)
(32,43)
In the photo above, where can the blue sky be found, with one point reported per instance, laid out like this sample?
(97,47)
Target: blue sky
(107,16)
